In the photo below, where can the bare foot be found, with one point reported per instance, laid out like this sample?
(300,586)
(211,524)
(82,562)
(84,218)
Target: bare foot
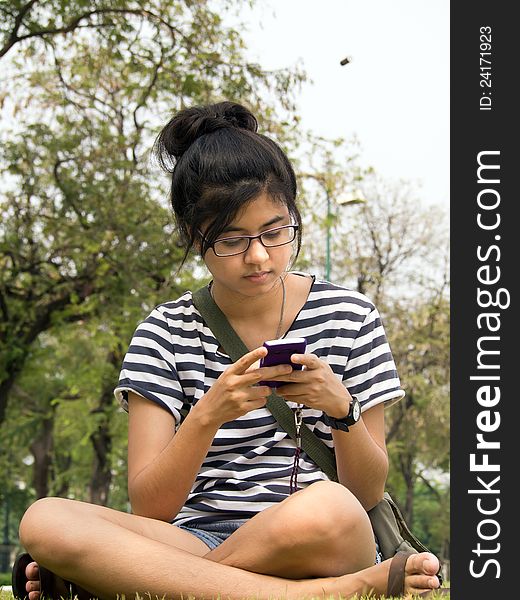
(33,581)
(419,576)
(420,573)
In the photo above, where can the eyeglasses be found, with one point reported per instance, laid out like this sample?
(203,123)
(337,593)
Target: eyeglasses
(279,236)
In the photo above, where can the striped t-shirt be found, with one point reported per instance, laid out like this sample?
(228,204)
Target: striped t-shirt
(174,359)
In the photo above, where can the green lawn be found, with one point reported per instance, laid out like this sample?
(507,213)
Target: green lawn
(9,596)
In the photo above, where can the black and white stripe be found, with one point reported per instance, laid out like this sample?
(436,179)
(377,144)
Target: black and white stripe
(173,360)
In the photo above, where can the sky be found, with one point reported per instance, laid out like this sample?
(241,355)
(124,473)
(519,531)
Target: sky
(393,95)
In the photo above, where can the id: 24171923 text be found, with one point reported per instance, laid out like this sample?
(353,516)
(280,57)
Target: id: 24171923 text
(485,68)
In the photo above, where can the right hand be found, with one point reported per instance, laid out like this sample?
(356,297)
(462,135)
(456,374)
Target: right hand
(235,392)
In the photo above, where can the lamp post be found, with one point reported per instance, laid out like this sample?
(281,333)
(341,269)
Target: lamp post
(327,183)
(354,197)
(327,249)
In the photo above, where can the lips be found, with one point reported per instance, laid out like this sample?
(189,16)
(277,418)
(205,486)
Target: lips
(260,276)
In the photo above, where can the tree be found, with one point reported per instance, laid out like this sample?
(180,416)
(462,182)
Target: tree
(34,21)
(400,260)
(394,242)
(328,174)
(65,250)
(87,245)
(82,204)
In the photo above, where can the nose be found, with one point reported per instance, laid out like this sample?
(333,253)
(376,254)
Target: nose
(256,253)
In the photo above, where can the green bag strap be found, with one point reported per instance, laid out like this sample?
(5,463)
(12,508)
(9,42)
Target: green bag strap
(216,320)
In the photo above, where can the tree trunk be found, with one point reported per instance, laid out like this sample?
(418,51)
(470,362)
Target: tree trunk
(407,469)
(101,473)
(6,385)
(41,449)
(25,333)
(102,438)
(62,465)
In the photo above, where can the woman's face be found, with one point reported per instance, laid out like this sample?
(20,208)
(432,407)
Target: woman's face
(257,270)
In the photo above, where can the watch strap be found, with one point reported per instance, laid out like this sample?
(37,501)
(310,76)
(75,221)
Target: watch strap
(346,421)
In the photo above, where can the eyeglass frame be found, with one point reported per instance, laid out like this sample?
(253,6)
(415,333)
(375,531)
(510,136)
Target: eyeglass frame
(250,238)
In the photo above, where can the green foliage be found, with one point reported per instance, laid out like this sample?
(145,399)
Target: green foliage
(82,202)
(87,245)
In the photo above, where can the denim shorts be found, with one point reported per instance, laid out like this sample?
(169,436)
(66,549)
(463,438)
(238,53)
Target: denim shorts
(213,534)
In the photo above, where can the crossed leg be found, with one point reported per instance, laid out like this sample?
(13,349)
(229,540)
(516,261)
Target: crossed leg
(111,553)
(321,531)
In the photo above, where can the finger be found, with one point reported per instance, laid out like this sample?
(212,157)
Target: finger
(254,366)
(309,361)
(292,390)
(246,361)
(255,404)
(257,398)
(295,376)
(260,391)
(267,373)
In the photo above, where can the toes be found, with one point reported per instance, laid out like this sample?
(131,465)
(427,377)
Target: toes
(32,572)
(32,586)
(420,583)
(424,563)
(421,572)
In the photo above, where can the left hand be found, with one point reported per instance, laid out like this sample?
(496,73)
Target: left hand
(315,386)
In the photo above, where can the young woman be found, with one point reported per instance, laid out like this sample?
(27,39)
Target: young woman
(209,468)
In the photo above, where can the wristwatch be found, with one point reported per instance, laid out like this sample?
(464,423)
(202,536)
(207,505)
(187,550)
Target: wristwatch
(354,414)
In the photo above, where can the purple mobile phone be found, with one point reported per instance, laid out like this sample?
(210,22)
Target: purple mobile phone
(279,353)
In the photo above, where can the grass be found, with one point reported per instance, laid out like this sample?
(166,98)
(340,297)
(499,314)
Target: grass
(8,596)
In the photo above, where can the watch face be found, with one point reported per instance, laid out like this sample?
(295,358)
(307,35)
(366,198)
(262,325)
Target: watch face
(356,410)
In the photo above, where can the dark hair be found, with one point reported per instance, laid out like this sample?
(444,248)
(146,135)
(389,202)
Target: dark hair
(219,163)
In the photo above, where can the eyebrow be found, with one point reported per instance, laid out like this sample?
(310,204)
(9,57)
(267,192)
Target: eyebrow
(274,220)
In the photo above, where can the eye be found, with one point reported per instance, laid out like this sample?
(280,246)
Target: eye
(231,242)
(273,235)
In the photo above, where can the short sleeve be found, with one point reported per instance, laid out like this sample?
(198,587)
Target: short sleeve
(149,367)
(370,373)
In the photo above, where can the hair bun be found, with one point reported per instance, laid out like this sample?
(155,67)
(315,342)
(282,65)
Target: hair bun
(191,123)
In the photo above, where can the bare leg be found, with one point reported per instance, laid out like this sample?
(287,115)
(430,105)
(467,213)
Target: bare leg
(110,559)
(293,539)
(149,528)
(320,531)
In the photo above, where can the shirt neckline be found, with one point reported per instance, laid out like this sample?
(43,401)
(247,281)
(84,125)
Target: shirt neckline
(301,274)
(311,289)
